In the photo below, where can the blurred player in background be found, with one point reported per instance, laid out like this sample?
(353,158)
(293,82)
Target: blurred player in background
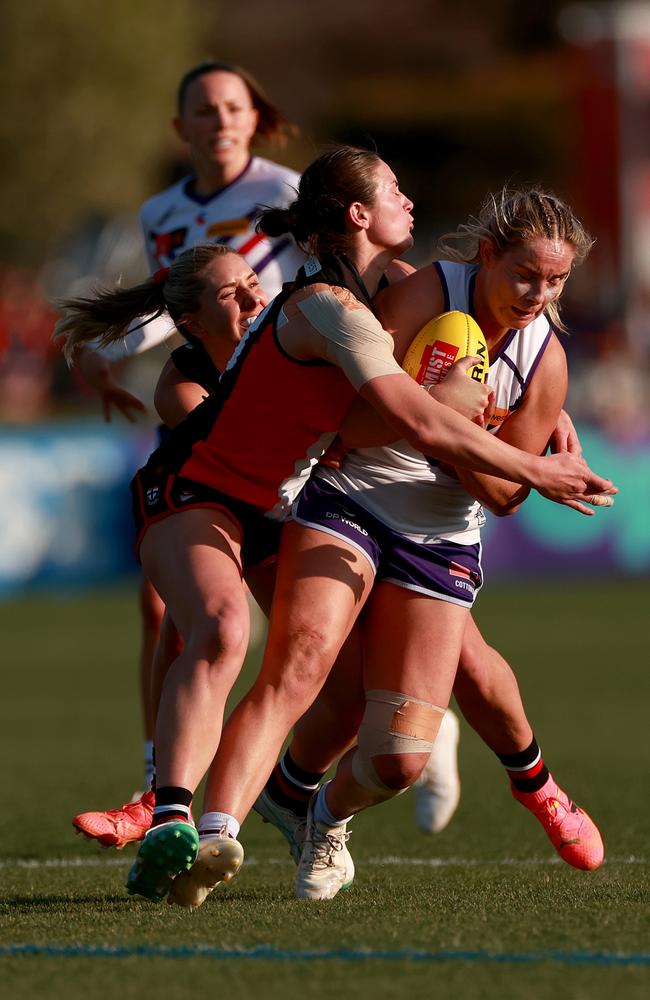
(221,110)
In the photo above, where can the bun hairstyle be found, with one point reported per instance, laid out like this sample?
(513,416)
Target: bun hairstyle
(110,314)
(271,125)
(514,216)
(316,219)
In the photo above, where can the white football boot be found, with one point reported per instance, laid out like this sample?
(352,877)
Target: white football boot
(219,859)
(291,826)
(325,865)
(437,790)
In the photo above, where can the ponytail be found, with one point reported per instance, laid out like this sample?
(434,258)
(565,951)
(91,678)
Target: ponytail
(108,315)
(112,313)
(317,218)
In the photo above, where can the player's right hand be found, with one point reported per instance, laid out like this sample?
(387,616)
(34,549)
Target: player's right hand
(568,480)
(116,396)
(464,394)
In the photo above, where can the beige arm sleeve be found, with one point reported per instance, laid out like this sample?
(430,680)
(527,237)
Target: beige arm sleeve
(351,337)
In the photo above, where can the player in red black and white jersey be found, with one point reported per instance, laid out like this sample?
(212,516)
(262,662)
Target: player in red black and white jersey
(221,110)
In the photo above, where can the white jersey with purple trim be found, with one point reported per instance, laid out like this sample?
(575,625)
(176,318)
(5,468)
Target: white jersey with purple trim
(176,219)
(409,492)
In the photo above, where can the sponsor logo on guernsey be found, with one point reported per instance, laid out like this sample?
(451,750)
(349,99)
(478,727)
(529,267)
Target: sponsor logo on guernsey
(464,577)
(229,227)
(152,495)
(498,415)
(345,519)
(437,359)
(185,496)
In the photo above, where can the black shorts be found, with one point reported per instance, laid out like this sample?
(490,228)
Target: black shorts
(157,494)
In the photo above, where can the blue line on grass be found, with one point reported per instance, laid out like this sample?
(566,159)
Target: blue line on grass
(269,953)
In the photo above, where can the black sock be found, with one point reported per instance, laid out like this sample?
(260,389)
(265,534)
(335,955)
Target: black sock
(172,802)
(291,787)
(526,769)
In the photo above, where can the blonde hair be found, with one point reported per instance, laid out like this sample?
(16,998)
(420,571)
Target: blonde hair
(110,314)
(514,216)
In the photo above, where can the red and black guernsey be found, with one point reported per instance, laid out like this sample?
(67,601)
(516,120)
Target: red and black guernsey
(269,421)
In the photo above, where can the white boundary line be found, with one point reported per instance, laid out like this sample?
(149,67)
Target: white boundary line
(390,860)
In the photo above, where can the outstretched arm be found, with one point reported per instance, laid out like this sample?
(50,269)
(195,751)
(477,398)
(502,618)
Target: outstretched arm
(96,370)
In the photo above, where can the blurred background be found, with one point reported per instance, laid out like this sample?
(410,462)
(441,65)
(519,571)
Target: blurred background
(458,98)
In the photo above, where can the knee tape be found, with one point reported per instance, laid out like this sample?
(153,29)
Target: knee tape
(393,723)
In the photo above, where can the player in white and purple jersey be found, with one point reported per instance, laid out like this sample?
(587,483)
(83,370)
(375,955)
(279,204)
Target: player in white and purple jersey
(417,524)
(414,568)
(221,110)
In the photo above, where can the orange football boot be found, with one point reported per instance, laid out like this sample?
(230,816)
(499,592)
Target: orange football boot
(118,827)
(572,832)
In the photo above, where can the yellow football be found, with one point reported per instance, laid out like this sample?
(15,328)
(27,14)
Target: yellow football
(444,340)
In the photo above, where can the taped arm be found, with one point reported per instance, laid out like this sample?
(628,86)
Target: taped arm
(345,333)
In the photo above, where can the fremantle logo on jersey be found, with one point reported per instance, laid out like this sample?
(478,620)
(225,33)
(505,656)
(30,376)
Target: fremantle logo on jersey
(167,244)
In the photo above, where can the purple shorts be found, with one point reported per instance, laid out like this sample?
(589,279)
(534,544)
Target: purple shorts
(445,570)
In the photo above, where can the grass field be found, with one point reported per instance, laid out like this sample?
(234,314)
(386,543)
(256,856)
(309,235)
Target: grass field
(481,910)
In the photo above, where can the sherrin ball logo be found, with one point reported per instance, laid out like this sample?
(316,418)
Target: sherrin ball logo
(440,343)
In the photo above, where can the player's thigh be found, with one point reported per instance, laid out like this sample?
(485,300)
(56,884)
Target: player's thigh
(322,581)
(193,560)
(152,608)
(411,643)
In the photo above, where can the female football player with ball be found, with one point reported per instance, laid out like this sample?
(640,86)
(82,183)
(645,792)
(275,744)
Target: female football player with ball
(516,258)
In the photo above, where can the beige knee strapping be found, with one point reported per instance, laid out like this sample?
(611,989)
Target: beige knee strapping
(393,723)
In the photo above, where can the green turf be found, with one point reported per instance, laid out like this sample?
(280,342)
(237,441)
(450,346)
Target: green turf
(71,741)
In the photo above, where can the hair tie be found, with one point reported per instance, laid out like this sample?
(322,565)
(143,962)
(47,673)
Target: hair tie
(161,275)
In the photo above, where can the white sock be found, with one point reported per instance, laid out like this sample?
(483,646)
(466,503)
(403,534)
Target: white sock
(149,768)
(321,812)
(213,823)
